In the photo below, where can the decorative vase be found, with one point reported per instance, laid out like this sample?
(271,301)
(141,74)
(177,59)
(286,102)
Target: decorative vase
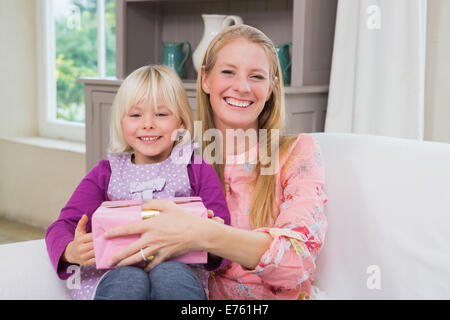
(174,57)
(214,23)
(285,61)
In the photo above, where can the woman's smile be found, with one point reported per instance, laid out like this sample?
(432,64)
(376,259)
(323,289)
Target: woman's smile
(234,102)
(238,86)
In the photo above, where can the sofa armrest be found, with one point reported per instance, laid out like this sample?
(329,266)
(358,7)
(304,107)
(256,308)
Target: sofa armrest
(388,218)
(26,273)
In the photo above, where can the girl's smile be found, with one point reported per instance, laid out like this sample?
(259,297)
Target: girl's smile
(149,140)
(149,132)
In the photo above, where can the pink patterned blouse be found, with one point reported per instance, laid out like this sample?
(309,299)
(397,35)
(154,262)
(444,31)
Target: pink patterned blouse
(285,269)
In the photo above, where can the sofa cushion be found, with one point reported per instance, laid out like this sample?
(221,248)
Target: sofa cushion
(26,273)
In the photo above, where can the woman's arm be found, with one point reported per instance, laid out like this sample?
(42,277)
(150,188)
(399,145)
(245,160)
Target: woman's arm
(241,246)
(175,231)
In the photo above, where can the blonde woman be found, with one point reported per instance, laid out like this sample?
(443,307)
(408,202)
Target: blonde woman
(146,162)
(277,207)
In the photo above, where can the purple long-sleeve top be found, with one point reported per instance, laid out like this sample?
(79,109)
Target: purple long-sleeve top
(92,191)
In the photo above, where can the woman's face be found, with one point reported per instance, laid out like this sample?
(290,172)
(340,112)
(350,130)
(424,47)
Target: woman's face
(238,85)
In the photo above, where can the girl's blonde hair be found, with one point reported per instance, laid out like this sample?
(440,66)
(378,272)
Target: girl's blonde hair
(148,83)
(263,205)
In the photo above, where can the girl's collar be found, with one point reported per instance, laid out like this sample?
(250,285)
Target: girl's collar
(180,154)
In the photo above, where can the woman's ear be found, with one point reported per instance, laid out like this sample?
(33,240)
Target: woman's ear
(205,85)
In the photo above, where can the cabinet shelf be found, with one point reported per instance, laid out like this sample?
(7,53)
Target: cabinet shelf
(143,25)
(191,85)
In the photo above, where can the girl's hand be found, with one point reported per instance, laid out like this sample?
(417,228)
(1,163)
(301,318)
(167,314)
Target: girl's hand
(81,249)
(217,219)
(173,232)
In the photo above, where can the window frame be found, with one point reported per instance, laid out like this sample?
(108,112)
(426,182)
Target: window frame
(48,125)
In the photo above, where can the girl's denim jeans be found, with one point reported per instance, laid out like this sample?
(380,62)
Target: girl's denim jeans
(170,280)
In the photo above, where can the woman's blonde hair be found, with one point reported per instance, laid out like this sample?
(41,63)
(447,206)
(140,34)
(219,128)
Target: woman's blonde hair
(148,83)
(262,208)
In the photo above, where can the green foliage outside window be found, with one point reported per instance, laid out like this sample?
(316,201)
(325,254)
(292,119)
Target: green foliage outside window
(76,54)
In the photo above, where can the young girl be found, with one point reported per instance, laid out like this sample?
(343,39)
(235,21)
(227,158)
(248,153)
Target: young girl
(278,223)
(144,163)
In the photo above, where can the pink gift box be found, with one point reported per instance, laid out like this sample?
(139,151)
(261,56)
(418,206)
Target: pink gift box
(113,214)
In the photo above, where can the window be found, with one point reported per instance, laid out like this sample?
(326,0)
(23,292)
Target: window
(76,38)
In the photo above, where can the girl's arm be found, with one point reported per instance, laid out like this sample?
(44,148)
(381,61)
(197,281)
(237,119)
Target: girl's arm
(206,184)
(87,197)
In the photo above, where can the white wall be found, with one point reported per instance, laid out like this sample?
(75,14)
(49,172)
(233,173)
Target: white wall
(437,95)
(35,182)
(18,92)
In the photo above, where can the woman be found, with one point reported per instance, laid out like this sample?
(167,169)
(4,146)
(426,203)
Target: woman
(277,219)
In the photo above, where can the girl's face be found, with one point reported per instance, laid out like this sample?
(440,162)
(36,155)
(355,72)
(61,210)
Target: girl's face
(238,85)
(149,133)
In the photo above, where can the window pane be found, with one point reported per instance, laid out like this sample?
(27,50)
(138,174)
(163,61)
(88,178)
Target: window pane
(76,52)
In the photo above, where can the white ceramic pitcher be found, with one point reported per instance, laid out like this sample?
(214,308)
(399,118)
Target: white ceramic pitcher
(214,23)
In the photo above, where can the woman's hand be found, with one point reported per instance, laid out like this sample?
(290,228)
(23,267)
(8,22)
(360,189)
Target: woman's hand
(81,249)
(173,232)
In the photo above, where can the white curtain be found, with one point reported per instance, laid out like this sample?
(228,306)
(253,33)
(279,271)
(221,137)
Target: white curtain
(377,83)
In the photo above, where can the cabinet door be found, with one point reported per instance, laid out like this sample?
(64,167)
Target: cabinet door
(305,113)
(97,126)
(192,97)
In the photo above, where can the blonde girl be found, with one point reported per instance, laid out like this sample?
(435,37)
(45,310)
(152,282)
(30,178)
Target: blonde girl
(146,161)
(277,221)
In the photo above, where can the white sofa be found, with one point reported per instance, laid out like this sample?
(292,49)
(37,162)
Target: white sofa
(388,235)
